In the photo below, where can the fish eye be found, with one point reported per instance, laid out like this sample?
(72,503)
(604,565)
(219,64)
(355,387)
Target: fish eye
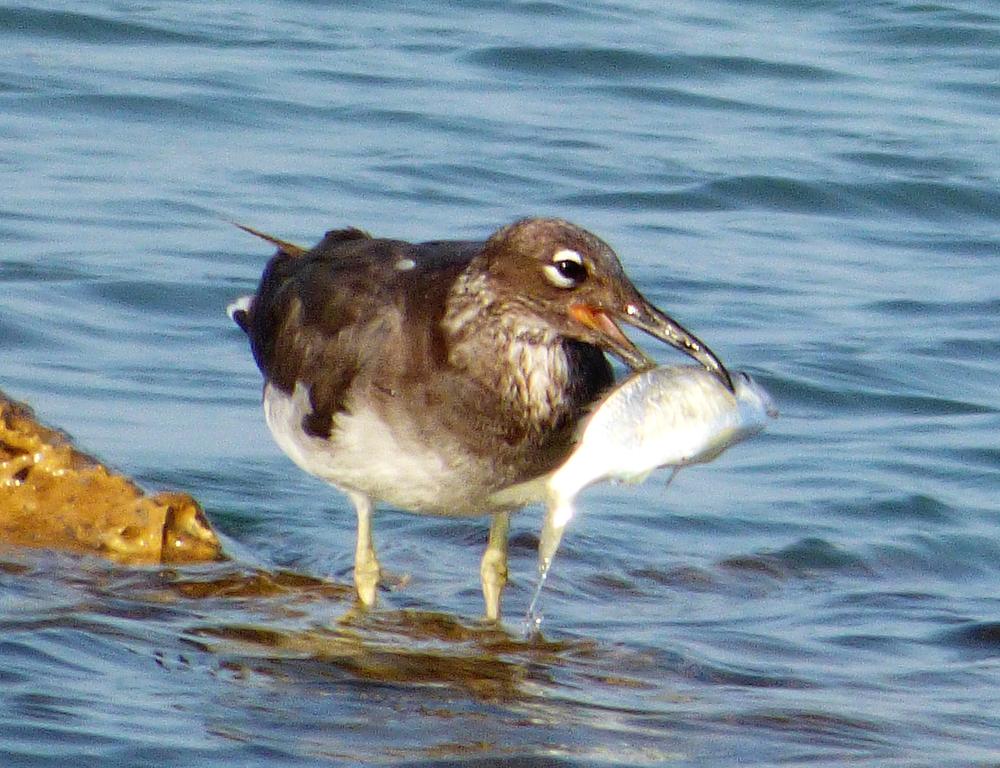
(566,270)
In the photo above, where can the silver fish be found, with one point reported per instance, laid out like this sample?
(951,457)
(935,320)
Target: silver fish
(670,416)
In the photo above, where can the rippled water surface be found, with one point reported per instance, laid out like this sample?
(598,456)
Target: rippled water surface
(812,187)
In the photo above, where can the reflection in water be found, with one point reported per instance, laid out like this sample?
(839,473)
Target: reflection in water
(402,648)
(490,692)
(287,663)
(384,646)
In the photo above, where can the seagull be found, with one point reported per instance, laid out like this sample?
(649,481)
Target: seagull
(445,377)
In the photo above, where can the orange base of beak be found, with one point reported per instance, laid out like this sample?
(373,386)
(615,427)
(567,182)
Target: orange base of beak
(598,320)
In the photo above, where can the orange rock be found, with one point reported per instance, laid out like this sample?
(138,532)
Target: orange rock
(54,496)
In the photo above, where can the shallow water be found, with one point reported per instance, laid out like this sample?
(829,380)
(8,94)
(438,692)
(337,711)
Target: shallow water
(811,187)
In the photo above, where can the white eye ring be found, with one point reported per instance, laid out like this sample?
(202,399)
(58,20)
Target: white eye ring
(559,281)
(555,273)
(566,254)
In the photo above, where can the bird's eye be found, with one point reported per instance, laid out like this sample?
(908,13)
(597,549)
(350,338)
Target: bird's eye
(566,270)
(572,270)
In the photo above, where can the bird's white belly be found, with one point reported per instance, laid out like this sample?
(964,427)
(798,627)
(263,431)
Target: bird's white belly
(366,456)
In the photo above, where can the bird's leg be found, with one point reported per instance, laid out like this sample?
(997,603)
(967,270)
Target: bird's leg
(366,568)
(493,568)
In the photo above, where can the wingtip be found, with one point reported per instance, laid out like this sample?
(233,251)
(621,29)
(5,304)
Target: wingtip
(283,246)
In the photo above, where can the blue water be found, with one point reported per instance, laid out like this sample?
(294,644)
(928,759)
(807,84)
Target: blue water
(811,187)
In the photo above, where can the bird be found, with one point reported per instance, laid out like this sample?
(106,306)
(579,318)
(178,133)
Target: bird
(446,377)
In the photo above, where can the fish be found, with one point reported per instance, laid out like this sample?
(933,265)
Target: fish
(669,416)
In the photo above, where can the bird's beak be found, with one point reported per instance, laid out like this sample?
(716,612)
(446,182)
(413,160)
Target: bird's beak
(642,315)
(616,342)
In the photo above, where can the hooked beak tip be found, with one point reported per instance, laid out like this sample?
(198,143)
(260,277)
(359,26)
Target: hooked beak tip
(647,318)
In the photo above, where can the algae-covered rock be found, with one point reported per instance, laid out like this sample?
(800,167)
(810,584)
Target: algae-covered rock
(55,496)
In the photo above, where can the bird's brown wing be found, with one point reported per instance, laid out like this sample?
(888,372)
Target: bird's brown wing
(350,305)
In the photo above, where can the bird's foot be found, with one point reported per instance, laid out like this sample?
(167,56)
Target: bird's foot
(493,567)
(494,575)
(367,575)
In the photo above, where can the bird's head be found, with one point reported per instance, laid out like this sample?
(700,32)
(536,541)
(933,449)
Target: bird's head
(571,280)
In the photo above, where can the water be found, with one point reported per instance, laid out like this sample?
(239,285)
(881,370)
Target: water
(809,187)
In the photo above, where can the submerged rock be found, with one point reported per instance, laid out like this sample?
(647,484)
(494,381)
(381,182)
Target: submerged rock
(55,496)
